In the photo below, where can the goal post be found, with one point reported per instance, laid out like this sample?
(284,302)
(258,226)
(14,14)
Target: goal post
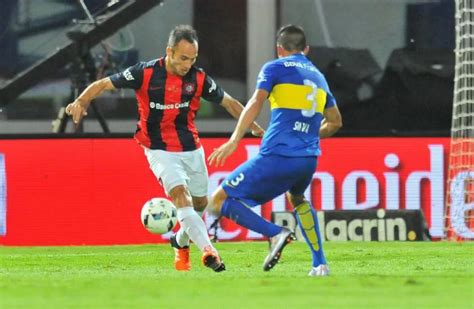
(460,189)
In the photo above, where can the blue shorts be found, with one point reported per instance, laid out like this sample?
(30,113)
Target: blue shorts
(263,178)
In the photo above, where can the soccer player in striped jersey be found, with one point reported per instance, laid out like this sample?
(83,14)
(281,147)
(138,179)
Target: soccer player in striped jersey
(169,92)
(303,111)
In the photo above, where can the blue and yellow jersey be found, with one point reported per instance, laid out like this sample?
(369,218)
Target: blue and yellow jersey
(298,96)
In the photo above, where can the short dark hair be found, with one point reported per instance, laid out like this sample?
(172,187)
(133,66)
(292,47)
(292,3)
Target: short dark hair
(182,32)
(291,38)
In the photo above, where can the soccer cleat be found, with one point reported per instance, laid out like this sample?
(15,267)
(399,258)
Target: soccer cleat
(320,271)
(277,243)
(181,255)
(211,259)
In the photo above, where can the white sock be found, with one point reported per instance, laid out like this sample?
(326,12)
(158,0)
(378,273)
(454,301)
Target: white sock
(194,226)
(181,237)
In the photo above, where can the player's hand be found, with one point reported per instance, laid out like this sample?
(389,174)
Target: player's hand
(76,110)
(220,155)
(258,131)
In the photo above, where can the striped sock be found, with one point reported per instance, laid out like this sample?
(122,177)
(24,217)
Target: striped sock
(308,222)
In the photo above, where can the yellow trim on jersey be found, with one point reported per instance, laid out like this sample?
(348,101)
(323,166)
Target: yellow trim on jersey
(300,97)
(321,96)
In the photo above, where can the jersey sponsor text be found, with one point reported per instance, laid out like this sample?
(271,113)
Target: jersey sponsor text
(159,106)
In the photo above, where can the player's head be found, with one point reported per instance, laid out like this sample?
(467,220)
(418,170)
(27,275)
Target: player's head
(182,49)
(290,40)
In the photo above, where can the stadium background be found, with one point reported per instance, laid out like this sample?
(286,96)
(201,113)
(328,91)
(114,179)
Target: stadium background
(382,63)
(391,66)
(380,57)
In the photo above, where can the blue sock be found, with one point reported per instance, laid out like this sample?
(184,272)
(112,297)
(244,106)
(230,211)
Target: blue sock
(244,216)
(308,222)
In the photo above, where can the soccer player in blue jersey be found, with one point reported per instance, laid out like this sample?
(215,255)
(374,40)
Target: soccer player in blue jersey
(303,111)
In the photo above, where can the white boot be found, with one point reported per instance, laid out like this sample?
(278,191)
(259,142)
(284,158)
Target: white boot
(321,270)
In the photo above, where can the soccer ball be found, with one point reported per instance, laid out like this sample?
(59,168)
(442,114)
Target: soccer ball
(159,215)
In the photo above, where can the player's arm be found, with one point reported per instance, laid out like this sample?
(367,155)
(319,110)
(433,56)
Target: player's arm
(235,108)
(78,108)
(131,78)
(331,123)
(246,119)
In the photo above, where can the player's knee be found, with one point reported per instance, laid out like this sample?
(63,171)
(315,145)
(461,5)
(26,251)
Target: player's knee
(295,200)
(180,196)
(217,199)
(200,203)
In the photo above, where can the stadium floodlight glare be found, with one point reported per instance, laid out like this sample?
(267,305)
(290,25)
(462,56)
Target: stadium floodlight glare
(460,189)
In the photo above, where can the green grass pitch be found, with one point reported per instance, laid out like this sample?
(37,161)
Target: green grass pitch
(363,275)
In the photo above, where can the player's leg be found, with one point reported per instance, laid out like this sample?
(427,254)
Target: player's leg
(168,168)
(247,186)
(199,204)
(253,183)
(195,228)
(308,221)
(194,163)
(170,174)
(195,167)
(241,213)
(180,241)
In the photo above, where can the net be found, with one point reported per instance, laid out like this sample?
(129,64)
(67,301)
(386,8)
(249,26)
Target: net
(460,189)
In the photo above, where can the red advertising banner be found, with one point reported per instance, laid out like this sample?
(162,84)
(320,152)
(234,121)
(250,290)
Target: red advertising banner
(90,191)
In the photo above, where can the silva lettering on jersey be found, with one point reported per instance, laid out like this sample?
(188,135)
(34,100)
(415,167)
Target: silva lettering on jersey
(301,127)
(288,64)
(159,106)
(128,75)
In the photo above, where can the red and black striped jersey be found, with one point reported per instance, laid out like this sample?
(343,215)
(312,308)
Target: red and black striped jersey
(167,103)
